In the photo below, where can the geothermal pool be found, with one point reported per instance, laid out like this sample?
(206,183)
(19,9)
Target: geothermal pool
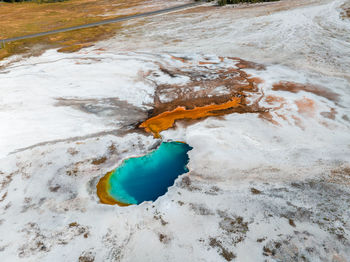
(145,178)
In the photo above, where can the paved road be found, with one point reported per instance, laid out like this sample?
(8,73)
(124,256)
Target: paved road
(103,22)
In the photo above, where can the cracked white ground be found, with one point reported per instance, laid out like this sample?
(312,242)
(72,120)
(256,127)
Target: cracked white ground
(274,189)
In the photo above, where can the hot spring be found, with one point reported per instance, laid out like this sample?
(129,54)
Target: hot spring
(144,178)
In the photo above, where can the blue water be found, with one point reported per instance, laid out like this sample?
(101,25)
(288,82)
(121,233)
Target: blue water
(148,177)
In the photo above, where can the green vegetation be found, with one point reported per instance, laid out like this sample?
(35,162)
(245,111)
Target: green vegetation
(231,2)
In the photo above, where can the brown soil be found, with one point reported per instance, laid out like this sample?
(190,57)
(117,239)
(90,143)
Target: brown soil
(268,117)
(247,64)
(330,115)
(296,87)
(242,94)
(346,10)
(306,107)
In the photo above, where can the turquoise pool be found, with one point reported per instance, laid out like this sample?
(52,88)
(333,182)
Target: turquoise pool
(147,177)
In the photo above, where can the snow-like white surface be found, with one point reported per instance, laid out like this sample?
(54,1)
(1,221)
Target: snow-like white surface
(308,35)
(31,89)
(60,112)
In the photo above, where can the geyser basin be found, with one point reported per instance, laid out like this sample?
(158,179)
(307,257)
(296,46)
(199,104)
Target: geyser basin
(144,178)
